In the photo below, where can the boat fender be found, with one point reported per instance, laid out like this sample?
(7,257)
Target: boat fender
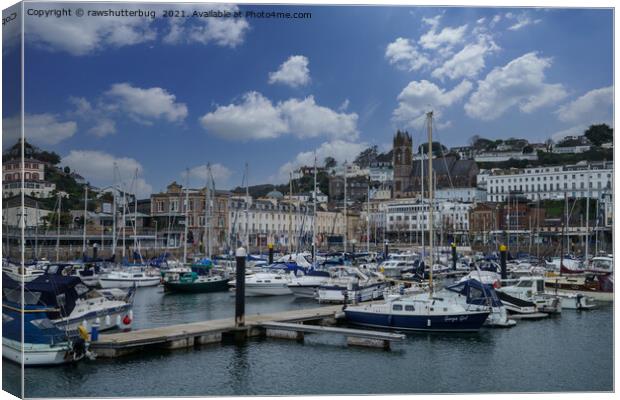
(497,284)
(108,320)
(127,320)
(118,320)
(85,324)
(83,332)
(130,314)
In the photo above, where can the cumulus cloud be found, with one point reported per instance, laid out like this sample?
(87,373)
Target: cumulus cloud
(39,129)
(80,36)
(146,104)
(596,104)
(404,54)
(293,72)
(594,107)
(340,150)
(97,167)
(468,62)
(419,97)
(522,20)
(520,83)
(200,175)
(225,32)
(447,37)
(101,124)
(256,117)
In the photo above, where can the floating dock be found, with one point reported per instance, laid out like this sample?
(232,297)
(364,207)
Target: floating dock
(213,331)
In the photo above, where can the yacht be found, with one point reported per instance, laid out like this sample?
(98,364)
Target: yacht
(351,284)
(129,278)
(265,284)
(307,285)
(396,264)
(532,289)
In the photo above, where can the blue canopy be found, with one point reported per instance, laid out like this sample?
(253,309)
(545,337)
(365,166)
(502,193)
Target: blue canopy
(477,293)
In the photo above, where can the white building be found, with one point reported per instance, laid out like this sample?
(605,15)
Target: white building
(280,222)
(500,156)
(570,149)
(34,183)
(413,215)
(353,170)
(466,195)
(29,215)
(581,180)
(381,174)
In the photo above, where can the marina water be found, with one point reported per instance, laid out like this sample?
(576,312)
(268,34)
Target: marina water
(571,352)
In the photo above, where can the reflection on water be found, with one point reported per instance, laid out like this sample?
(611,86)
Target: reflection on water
(571,352)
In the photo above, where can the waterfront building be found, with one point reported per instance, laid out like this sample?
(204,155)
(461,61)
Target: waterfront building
(551,182)
(500,156)
(465,194)
(357,188)
(413,215)
(29,214)
(33,174)
(168,216)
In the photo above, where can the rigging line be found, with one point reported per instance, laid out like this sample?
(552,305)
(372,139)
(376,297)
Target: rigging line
(436,133)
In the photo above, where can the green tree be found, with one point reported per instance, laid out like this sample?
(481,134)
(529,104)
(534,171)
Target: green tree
(599,134)
(366,157)
(330,162)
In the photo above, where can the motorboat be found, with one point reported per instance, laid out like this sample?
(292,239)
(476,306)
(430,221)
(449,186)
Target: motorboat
(599,287)
(601,265)
(132,276)
(499,316)
(531,289)
(350,284)
(29,337)
(565,265)
(577,301)
(307,284)
(265,284)
(396,264)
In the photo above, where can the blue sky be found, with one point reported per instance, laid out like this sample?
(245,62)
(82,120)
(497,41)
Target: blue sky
(160,97)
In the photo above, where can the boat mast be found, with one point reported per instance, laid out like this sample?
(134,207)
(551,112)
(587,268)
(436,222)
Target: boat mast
(346,225)
(588,217)
(368,218)
(124,216)
(247,214)
(135,212)
(422,194)
(429,116)
(58,227)
(114,212)
(84,229)
(290,212)
(314,215)
(185,229)
(563,234)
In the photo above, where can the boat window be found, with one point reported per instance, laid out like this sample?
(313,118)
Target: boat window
(540,285)
(43,323)
(61,300)
(267,281)
(397,307)
(475,293)
(259,281)
(409,308)
(137,275)
(524,284)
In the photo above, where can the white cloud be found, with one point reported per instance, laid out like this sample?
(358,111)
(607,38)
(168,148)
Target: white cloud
(480,21)
(256,117)
(496,19)
(523,20)
(419,97)
(596,104)
(433,22)
(404,54)
(293,72)
(80,36)
(468,62)
(340,150)
(594,107)
(39,129)
(224,31)
(97,167)
(447,37)
(344,106)
(101,124)
(200,175)
(519,83)
(144,104)
(307,119)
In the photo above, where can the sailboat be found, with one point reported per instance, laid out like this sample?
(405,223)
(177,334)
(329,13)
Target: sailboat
(425,311)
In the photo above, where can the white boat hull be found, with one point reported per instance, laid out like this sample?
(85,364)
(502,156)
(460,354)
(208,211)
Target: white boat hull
(267,290)
(105,319)
(36,354)
(308,291)
(109,283)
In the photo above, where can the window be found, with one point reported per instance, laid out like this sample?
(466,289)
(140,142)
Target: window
(397,307)
(409,307)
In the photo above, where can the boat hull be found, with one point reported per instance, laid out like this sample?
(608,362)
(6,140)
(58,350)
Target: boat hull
(36,354)
(109,283)
(267,290)
(200,287)
(470,322)
(307,291)
(105,319)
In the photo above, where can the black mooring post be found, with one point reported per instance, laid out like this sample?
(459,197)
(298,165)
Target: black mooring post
(453,245)
(313,253)
(240,288)
(270,246)
(386,249)
(95,251)
(502,259)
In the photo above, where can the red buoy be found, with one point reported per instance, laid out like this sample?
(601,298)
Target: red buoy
(126,320)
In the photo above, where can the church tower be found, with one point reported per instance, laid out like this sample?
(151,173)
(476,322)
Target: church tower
(401,160)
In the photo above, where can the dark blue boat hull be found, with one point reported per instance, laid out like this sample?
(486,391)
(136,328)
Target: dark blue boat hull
(447,323)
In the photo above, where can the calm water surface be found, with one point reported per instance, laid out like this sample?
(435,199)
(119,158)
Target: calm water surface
(572,352)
